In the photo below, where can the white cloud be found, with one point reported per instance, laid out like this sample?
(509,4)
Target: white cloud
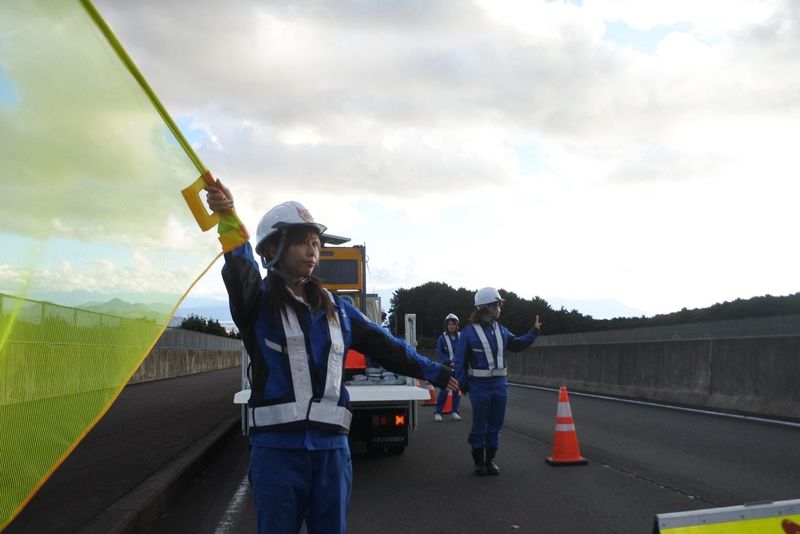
(394,123)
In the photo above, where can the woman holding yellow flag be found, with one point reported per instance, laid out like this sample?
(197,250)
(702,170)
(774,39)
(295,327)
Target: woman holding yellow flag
(296,334)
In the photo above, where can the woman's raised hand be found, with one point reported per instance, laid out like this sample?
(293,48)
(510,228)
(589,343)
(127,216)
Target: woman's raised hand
(219,198)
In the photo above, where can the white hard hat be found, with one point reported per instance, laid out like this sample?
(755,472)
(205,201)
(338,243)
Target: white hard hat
(281,216)
(451,317)
(486,296)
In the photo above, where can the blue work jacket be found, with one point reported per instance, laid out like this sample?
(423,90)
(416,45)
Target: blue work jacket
(471,357)
(441,348)
(264,337)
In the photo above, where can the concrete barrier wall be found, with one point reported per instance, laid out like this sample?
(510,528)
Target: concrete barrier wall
(754,375)
(746,365)
(169,363)
(184,352)
(189,339)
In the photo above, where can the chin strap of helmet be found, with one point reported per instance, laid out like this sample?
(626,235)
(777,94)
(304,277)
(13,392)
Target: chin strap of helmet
(289,279)
(271,265)
(268,264)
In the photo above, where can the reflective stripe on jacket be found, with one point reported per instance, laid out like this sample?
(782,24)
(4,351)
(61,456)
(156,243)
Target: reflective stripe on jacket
(325,410)
(445,349)
(480,352)
(296,357)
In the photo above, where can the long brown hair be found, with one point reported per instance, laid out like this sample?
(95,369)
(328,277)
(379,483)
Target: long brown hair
(313,291)
(480,315)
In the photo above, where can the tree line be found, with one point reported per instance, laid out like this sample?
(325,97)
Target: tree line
(432,301)
(207,326)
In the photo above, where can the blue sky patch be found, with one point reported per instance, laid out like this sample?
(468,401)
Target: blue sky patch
(530,162)
(193,135)
(8,91)
(646,42)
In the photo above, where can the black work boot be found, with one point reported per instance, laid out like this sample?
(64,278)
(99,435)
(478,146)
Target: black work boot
(491,466)
(480,465)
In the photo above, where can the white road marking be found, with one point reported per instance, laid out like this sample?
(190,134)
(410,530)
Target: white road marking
(234,509)
(668,406)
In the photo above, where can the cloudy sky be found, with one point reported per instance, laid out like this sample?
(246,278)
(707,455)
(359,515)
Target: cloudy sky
(638,154)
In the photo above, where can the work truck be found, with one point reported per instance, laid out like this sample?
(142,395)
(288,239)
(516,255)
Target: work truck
(384,404)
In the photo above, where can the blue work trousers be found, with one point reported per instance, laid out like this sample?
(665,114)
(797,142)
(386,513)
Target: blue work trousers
(290,485)
(442,399)
(488,399)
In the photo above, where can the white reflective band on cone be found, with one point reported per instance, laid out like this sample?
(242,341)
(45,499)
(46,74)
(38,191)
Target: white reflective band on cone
(563,410)
(565,428)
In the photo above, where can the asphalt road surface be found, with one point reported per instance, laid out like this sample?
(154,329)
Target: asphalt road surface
(643,460)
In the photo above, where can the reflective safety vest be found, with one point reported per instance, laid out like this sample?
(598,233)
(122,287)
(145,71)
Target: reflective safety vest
(450,350)
(305,407)
(498,367)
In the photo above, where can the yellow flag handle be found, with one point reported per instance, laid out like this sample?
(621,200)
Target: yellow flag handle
(191,195)
(234,233)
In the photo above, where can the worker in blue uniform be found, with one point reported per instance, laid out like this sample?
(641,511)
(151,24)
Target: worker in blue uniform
(297,334)
(481,371)
(445,349)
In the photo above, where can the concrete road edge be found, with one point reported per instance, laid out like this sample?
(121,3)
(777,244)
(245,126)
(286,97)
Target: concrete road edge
(141,507)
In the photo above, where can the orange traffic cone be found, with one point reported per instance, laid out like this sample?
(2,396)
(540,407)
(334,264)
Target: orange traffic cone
(565,443)
(448,404)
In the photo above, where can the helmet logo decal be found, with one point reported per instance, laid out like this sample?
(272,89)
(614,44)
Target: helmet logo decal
(305,215)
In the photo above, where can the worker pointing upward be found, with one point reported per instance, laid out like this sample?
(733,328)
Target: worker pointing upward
(481,370)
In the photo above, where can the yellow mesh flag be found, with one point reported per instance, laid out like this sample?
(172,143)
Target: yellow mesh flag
(97,246)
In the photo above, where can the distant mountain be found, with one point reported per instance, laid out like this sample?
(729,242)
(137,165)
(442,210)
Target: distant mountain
(82,298)
(121,308)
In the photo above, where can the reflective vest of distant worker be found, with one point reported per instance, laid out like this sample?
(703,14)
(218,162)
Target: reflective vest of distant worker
(445,349)
(297,334)
(481,370)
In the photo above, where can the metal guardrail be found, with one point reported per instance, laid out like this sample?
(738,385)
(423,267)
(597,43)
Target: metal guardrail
(36,312)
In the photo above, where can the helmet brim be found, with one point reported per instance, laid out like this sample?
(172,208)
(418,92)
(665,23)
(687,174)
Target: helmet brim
(486,304)
(261,245)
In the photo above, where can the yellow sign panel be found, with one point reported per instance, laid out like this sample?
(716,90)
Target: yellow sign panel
(780,517)
(341,268)
(752,526)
